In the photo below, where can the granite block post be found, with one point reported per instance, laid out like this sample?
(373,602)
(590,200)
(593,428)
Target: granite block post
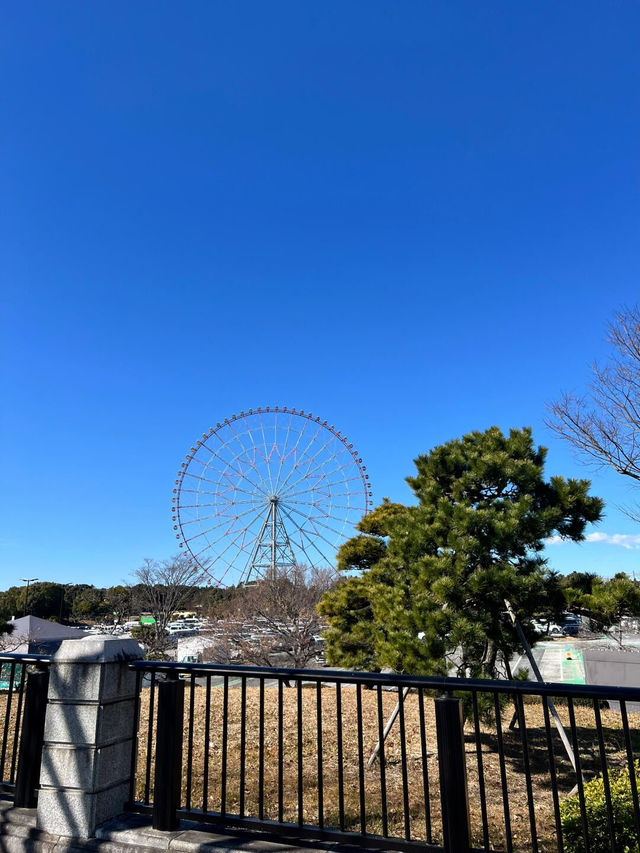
(88,736)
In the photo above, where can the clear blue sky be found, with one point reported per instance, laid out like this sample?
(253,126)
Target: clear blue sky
(411,218)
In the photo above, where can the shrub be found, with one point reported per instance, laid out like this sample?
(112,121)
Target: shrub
(598,818)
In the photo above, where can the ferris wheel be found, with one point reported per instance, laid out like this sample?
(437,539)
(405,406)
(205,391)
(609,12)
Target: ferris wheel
(267,490)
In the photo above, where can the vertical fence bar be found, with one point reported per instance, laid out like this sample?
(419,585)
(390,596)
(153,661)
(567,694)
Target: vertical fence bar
(480,762)
(225,733)
(340,756)
(320,757)
(243,739)
(135,737)
(280,754)
(168,777)
(454,797)
(361,790)
(192,689)
(7,719)
(425,768)
(147,775)
(605,775)
(503,773)
(207,737)
(31,739)
(552,774)
(631,766)
(576,754)
(403,759)
(18,728)
(300,765)
(383,764)
(522,725)
(261,753)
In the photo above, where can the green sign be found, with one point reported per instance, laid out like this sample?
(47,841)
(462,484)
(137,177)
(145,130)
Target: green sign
(147,620)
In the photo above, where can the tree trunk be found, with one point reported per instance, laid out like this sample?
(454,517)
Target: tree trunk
(489,662)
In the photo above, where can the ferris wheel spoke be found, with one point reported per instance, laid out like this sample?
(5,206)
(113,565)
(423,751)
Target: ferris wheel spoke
(221,515)
(333,438)
(267,456)
(209,562)
(227,475)
(304,551)
(222,500)
(242,534)
(199,492)
(234,488)
(292,453)
(202,478)
(222,524)
(251,464)
(284,449)
(303,532)
(322,481)
(334,506)
(214,560)
(312,519)
(255,451)
(235,457)
(195,506)
(238,472)
(227,496)
(320,535)
(200,519)
(302,455)
(309,471)
(322,485)
(218,457)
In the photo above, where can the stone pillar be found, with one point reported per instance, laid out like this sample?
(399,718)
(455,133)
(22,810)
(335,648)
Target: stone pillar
(86,759)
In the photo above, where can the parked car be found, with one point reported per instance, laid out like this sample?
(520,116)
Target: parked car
(551,629)
(571,625)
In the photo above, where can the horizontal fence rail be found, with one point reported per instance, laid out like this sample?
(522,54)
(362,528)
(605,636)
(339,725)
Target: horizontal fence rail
(24,680)
(467,764)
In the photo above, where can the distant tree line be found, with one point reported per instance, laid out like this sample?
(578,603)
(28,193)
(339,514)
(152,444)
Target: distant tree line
(79,603)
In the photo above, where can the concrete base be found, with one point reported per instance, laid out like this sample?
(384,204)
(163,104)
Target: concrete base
(88,736)
(130,833)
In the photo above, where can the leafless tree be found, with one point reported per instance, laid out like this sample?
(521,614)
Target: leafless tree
(162,588)
(274,620)
(604,424)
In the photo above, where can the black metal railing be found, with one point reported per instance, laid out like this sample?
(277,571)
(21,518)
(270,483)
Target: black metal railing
(467,764)
(24,680)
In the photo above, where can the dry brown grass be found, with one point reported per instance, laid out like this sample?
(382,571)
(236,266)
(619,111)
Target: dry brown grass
(516,789)
(8,730)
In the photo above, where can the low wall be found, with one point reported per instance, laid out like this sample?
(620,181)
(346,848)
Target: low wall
(613,666)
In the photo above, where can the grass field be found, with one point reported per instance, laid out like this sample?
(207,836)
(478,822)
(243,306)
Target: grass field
(211,753)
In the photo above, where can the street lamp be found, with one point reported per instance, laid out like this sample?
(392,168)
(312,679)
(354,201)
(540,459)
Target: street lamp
(26,592)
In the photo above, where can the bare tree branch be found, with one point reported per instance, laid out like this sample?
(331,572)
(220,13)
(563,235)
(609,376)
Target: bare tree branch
(274,620)
(162,588)
(605,423)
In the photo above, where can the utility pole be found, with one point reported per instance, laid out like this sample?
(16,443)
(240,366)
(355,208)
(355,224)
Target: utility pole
(26,592)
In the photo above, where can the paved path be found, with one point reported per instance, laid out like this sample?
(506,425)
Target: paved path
(560,661)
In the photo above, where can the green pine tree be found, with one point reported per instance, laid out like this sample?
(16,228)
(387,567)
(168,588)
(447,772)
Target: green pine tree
(428,596)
